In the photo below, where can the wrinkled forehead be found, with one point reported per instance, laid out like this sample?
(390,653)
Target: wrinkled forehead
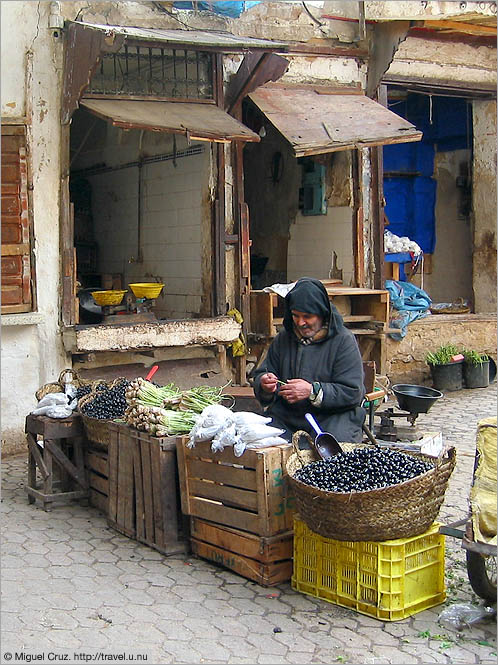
(296,312)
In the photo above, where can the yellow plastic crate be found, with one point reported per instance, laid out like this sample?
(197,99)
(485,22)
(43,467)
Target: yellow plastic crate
(388,580)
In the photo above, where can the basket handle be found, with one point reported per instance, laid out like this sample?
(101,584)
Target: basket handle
(295,443)
(448,460)
(62,375)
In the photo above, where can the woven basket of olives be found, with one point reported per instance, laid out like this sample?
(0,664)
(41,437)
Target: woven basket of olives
(368,493)
(103,404)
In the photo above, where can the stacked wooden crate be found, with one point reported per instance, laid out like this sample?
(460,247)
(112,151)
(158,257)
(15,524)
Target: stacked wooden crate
(143,489)
(241,516)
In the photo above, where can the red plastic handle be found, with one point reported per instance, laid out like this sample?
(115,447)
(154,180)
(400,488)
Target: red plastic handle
(152,372)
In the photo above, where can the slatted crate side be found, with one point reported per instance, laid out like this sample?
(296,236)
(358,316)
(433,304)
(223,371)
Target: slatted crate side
(121,481)
(97,466)
(264,549)
(265,560)
(159,523)
(246,492)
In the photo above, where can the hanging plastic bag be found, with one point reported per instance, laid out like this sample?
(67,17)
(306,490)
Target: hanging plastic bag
(53,398)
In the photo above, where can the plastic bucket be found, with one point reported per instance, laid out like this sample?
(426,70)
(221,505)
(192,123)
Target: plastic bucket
(476,376)
(447,377)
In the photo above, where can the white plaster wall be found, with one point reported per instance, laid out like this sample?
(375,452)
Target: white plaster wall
(313,241)
(172,222)
(484,205)
(32,353)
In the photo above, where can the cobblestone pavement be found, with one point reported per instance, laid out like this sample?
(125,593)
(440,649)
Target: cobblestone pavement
(71,585)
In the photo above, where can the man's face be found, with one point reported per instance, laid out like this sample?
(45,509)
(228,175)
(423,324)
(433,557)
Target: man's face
(307,324)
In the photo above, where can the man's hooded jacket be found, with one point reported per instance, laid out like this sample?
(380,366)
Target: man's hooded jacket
(333,360)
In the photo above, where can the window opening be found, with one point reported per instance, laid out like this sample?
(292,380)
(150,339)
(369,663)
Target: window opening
(152,71)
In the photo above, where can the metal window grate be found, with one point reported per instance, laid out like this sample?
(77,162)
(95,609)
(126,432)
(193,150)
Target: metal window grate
(153,71)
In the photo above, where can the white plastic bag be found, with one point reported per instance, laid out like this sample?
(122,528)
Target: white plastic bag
(209,423)
(255,432)
(269,441)
(53,411)
(225,437)
(53,398)
(247,418)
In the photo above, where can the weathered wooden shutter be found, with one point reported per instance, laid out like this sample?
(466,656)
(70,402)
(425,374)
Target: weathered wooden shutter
(16,247)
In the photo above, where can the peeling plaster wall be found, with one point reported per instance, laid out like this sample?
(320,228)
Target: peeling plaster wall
(32,352)
(484,205)
(450,276)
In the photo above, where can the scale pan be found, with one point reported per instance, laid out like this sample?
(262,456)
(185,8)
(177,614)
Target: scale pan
(415,399)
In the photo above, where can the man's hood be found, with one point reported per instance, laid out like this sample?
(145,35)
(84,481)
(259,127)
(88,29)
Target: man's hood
(310,296)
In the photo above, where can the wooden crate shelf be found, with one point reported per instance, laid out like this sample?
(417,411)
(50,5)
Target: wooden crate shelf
(365,312)
(267,561)
(246,493)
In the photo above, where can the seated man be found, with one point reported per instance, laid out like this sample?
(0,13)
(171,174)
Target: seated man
(313,366)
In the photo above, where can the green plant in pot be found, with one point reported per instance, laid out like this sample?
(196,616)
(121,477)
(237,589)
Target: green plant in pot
(475,369)
(446,367)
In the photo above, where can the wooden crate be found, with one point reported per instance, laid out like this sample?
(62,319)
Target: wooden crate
(144,496)
(97,466)
(267,561)
(248,492)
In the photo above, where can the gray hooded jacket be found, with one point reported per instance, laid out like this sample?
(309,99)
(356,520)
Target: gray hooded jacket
(334,361)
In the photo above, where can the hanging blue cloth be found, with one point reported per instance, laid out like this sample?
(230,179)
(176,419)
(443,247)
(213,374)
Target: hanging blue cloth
(231,9)
(411,303)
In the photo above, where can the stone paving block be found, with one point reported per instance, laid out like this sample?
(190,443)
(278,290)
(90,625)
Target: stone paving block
(190,600)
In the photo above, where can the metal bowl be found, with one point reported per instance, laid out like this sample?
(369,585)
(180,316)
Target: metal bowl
(415,399)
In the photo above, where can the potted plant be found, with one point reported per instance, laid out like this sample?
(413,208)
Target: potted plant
(475,369)
(446,367)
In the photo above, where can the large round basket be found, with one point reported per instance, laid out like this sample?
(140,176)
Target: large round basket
(68,374)
(96,429)
(399,511)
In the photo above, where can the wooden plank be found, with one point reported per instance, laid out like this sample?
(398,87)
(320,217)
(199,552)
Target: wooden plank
(265,550)
(156,492)
(275,507)
(98,462)
(230,496)
(261,313)
(36,453)
(183,477)
(147,489)
(58,496)
(226,456)
(98,483)
(216,512)
(220,473)
(54,449)
(139,490)
(113,473)
(99,501)
(263,574)
(126,507)
(169,503)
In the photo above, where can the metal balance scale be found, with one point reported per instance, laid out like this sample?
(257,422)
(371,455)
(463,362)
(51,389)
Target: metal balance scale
(138,310)
(412,400)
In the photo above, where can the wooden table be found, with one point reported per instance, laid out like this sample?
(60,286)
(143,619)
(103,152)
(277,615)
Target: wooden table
(62,442)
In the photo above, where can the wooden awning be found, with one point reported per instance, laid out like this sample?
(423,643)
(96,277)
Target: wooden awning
(205,122)
(316,121)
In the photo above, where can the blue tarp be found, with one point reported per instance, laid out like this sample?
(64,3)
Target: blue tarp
(411,303)
(232,9)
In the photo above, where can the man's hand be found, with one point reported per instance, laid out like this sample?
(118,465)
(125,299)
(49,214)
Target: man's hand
(269,382)
(295,390)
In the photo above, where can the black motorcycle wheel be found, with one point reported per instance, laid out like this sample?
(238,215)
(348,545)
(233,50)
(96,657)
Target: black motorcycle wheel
(482,575)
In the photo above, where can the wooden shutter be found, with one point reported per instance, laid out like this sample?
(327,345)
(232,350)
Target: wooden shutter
(16,249)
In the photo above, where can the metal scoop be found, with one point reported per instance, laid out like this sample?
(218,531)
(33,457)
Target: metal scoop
(326,444)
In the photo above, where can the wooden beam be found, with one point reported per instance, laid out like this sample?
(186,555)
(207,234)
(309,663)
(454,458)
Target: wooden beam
(462,26)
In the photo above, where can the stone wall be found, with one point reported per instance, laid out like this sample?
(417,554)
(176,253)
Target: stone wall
(406,359)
